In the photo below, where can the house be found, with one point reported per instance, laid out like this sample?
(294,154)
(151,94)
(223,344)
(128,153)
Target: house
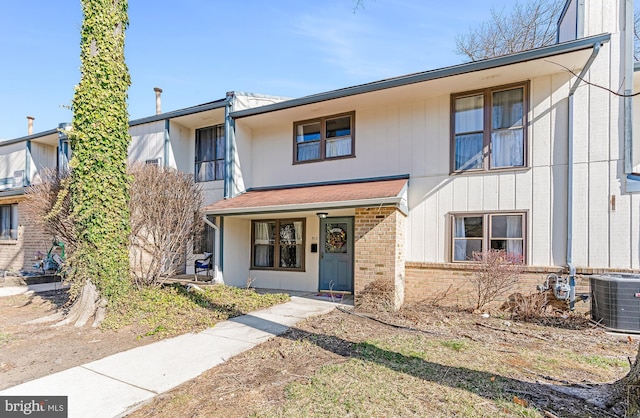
(402,179)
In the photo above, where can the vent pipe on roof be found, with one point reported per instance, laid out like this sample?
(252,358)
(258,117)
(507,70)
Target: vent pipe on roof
(158,91)
(30,125)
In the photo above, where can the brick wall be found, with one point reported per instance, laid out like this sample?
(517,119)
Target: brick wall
(448,283)
(379,249)
(20,254)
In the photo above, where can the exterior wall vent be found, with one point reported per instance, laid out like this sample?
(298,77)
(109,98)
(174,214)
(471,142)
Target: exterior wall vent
(615,301)
(18,178)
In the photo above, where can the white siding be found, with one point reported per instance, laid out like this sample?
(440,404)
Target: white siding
(42,157)
(12,158)
(147,142)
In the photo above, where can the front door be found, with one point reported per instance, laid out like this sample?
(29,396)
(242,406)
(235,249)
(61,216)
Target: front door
(336,254)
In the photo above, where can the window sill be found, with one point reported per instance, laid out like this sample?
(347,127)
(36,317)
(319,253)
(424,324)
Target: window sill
(343,157)
(492,171)
(279,270)
(8,242)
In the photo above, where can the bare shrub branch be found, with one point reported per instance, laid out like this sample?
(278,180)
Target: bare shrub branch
(165,210)
(48,203)
(496,273)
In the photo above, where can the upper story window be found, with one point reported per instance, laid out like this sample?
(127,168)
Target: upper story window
(489,129)
(324,138)
(478,232)
(210,153)
(8,222)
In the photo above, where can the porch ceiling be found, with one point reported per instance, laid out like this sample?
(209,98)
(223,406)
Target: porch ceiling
(374,192)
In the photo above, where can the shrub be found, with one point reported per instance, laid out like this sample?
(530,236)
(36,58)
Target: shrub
(495,273)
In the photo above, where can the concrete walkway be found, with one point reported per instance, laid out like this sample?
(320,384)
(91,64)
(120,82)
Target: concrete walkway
(116,385)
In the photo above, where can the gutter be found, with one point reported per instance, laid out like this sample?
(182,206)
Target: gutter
(570,265)
(629,67)
(533,54)
(397,201)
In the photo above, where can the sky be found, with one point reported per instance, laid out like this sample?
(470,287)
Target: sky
(197,50)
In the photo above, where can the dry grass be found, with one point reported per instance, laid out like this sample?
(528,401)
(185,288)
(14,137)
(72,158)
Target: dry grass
(433,362)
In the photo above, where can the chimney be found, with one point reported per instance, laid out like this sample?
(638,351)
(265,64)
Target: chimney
(30,125)
(158,91)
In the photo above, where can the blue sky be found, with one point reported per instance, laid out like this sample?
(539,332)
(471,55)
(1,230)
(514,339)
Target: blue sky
(196,50)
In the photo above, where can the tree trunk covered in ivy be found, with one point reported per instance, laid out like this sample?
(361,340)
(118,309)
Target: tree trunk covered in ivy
(99,141)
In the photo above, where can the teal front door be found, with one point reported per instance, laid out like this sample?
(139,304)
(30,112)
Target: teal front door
(336,254)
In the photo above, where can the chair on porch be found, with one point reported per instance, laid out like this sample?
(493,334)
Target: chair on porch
(204,264)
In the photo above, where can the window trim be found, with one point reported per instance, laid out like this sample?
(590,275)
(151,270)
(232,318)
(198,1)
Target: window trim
(486,132)
(13,208)
(215,153)
(276,245)
(323,142)
(486,231)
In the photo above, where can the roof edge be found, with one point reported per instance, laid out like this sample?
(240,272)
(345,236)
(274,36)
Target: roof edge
(28,137)
(396,201)
(537,53)
(328,183)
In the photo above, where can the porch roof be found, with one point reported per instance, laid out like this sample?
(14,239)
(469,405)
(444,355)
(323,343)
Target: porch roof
(389,191)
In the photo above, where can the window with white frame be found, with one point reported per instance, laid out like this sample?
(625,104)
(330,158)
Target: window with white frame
(9,222)
(489,129)
(478,232)
(277,244)
(324,138)
(210,150)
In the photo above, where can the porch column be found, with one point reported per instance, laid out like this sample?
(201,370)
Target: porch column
(379,250)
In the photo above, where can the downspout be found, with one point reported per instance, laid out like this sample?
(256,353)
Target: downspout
(570,265)
(229,149)
(26,179)
(628,87)
(167,141)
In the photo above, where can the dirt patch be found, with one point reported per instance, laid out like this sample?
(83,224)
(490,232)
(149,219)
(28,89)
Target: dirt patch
(433,362)
(28,352)
(420,361)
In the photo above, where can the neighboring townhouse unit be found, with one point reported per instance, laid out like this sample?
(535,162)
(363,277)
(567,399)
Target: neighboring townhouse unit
(403,179)
(191,140)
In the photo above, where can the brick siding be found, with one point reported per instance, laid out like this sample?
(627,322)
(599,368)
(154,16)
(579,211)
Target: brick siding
(379,249)
(448,283)
(20,254)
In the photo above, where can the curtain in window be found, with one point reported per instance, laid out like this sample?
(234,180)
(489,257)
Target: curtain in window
(14,222)
(514,230)
(469,115)
(5,222)
(263,249)
(309,151)
(338,147)
(460,245)
(468,153)
(507,148)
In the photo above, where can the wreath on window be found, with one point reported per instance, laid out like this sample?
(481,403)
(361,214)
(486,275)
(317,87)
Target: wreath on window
(336,239)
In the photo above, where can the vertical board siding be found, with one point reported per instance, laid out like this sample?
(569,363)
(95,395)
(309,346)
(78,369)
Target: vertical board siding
(598,222)
(558,214)
(540,217)
(540,124)
(620,234)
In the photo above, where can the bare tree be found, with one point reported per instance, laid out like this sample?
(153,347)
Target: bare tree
(528,25)
(165,214)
